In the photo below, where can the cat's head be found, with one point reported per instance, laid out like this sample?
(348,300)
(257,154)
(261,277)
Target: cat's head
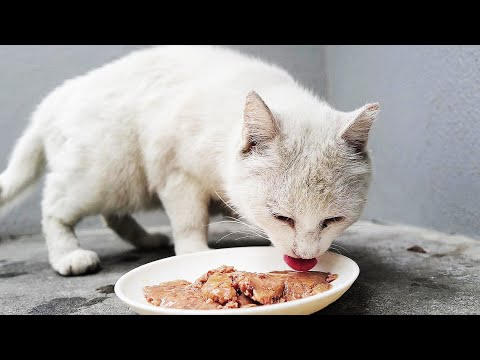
(301,175)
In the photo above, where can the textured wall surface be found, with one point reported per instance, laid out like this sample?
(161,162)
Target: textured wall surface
(426,143)
(28,73)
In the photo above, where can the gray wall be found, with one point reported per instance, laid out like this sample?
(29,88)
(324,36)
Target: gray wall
(28,73)
(426,144)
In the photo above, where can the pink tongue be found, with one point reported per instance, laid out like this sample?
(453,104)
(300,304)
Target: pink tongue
(300,264)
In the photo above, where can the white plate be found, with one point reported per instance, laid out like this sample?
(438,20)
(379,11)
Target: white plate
(255,259)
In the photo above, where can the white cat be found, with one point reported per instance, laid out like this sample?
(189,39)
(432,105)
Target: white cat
(177,125)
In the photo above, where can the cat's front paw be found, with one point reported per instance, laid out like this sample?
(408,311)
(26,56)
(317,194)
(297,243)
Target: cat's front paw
(78,262)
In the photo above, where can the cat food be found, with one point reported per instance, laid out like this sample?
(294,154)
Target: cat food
(227,288)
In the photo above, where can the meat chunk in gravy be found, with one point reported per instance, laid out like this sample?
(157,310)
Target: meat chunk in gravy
(178,295)
(227,288)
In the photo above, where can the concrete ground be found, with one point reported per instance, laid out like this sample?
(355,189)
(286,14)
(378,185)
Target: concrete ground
(393,280)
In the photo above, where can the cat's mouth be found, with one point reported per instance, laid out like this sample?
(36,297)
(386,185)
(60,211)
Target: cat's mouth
(300,264)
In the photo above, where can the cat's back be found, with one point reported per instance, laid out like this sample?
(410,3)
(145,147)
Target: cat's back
(158,80)
(162,70)
(186,62)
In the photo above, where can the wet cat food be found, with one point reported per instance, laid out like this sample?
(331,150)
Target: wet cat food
(227,288)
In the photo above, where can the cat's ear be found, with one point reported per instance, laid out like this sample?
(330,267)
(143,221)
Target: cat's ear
(259,123)
(359,125)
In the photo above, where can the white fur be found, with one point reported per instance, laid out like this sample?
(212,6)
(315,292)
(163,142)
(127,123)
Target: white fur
(167,123)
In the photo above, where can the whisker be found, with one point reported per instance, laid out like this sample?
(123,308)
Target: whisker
(245,231)
(336,250)
(244,223)
(254,234)
(341,247)
(250,234)
(231,208)
(221,222)
(258,229)
(258,232)
(236,221)
(223,237)
(244,237)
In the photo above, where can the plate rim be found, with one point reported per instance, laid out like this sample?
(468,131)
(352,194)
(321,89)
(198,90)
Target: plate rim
(133,304)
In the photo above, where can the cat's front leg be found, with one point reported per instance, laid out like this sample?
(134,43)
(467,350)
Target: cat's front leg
(186,204)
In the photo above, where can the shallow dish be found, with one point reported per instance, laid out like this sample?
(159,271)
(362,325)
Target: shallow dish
(129,288)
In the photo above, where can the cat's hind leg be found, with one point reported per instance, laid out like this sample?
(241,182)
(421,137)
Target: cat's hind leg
(60,214)
(127,228)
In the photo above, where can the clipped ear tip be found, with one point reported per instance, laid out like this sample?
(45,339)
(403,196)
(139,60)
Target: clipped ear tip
(373,107)
(252,95)
(253,99)
(371,111)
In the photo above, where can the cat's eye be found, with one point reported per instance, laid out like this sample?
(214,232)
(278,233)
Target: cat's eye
(327,222)
(285,220)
